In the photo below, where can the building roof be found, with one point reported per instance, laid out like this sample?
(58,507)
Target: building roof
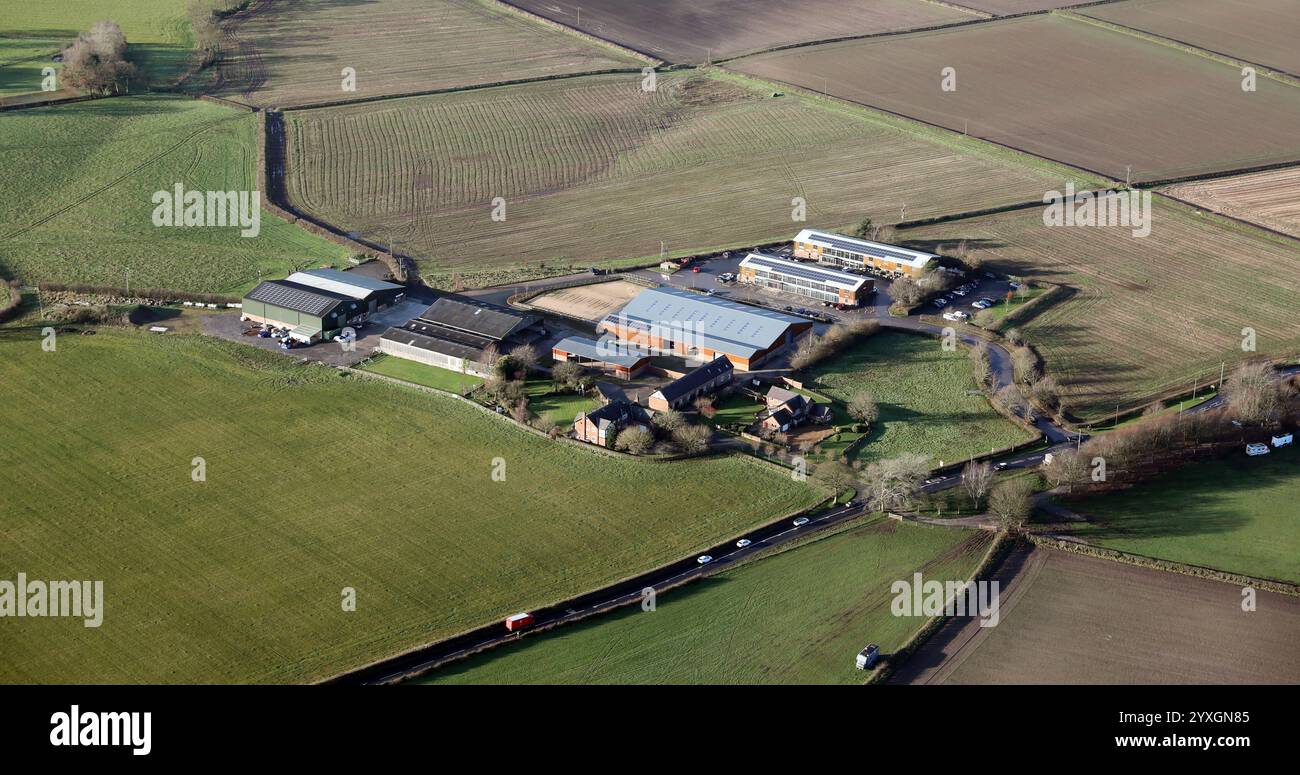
(693,379)
(476,317)
(606,350)
(829,239)
(780,395)
(615,413)
(437,344)
(351,284)
(704,321)
(818,274)
(296,297)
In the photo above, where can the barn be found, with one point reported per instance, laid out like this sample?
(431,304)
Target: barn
(310,314)
(455,332)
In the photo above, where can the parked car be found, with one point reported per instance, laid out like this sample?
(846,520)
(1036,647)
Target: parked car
(801,521)
(742,543)
(982,304)
(1283,440)
(695,269)
(960,291)
(941,303)
(704,559)
(1256,449)
(1014,284)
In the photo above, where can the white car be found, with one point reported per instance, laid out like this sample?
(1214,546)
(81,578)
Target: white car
(981,304)
(704,559)
(1256,449)
(1014,284)
(801,521)
(961,291)
(742,543)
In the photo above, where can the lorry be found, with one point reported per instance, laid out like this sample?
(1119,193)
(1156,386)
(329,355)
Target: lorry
(868,657)
(518,622)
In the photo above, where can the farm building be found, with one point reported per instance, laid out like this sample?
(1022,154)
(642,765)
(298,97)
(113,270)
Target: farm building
(814,282)
(455,331)
(600,426)
(677,322)
(310,314)
(838,250)
(621,360)
(695,383)
(377,294)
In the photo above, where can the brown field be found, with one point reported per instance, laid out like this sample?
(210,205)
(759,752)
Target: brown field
(1004,7)
(1149,315)
(697,31)
(1061,88)
(596,171)
(1269,198)
(589,302)
(1069,619)
(1265,32)
(293,53)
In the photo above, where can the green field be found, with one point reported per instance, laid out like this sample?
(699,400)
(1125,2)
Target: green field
(1147,317)
(594,170)
(76,187)
(315,481)
(799,617)
(157,31)
(1236,515)
(922,395)
(559,408)
(422,374)
(23,58)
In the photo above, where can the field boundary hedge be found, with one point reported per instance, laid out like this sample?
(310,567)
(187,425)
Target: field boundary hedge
(9,307)
(1078,546)
(1032,308)
(144,294)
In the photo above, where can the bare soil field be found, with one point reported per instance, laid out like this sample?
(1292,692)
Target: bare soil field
(1070,619)
(1006,7)
(1269,198)
(589,302)
(1061,88)
(294,53)
(1265,32)
(698,31)
(1149,315)
(596,171)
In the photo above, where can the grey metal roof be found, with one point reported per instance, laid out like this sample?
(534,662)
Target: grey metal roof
(605,350)
(357,286)
(693,379)
(811,272)
(704,321)
(903,255)
(476,317)
(432,343)
(296,297)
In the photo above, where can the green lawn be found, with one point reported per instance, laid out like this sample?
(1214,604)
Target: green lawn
(797,617)
(922,395)
(1003,308)
(157,31)
(1236,515)
(559,408)
(422,374)
(76,188)
(315,481)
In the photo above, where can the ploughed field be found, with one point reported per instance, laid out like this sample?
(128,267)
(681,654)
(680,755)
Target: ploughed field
(76,197)
(294,53)
(1270,198)
(1149,315)
(314,482)
(1063,88)
(799,616)
(1070,619)
(1261,31)
(699,31)
(596,170)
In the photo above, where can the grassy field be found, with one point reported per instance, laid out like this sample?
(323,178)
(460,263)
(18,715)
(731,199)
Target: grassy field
(157,31)
(395,47)
(707,30)
(1236,515)
(76,187)
(314,482)
(422,374)
(922,395)
(1262,31)
(23,58)
(1150,314)
(596,171)
(1267,198)
(798,617)
(1069,619)
(1132,103)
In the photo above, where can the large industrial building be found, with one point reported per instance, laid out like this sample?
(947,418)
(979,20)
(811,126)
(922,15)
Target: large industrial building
(859,254)
(455,331)
(807,280)
(317,304)
(676,322)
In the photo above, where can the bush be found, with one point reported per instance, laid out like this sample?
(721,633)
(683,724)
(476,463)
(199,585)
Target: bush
(636,440)
(96,61)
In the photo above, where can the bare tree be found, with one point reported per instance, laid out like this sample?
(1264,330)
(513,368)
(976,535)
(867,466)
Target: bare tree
(891,484)
(1067,468)
(526,357)
(835,476)
(96,61)
(1010,503)
(1025,365)
(565,375)
(668,421)
(636,440)
(1252,392)
(862,407)
(693,438)
(982,364)
(977,478)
